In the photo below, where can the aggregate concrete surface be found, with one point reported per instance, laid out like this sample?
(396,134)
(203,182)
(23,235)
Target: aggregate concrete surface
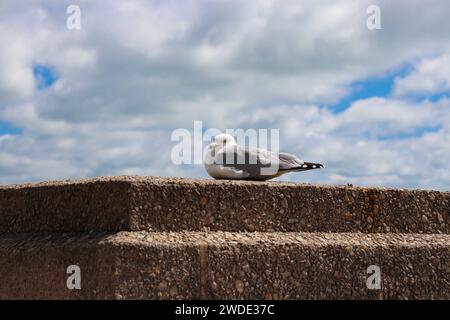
(176,204)
(224,265)
(173,238)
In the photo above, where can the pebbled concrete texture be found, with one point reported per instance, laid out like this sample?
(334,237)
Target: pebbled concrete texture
(172,238)
(100,204)
(224,265)
(162,204)
(33,266)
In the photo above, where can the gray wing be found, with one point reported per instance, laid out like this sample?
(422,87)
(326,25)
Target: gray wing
(259,164)
(289,161)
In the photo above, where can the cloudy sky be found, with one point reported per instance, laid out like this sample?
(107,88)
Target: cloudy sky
(372,105)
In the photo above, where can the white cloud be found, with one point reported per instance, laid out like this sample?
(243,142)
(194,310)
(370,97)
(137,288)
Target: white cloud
(381,117)
(16,80)
(139,69)
(431,76)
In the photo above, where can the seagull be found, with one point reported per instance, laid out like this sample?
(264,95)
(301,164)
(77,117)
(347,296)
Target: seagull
(225,159)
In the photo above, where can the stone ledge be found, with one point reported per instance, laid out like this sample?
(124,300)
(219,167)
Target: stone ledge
(130,203)
(223,265)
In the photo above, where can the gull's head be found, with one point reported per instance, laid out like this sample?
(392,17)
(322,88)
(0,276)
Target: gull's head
(224,139)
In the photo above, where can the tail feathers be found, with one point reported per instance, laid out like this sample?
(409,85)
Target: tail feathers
(307,166)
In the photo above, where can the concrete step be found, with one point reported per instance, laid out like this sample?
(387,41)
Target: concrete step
(224,265)
(161,204)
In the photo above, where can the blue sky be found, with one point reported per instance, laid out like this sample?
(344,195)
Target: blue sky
(6,128)
(45,76)
(371,86)
(373,105)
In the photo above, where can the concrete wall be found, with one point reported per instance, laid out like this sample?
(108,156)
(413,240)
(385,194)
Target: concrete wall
(153,238)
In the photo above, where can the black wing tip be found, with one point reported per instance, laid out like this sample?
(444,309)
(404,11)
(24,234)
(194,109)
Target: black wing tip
(311,165)
(305,166)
